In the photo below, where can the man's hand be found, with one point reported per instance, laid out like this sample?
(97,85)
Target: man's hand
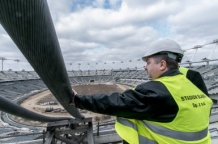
(74,93)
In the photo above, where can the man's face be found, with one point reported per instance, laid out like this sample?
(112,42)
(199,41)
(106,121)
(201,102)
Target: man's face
(154,69)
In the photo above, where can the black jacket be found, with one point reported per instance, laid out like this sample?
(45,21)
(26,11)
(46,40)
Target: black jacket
(150,101)
(196,78)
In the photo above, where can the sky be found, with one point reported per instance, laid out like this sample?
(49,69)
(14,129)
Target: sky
(115,33)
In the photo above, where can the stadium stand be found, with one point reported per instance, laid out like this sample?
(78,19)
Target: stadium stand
(20,84)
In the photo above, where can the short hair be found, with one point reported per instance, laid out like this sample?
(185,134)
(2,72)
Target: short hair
(171,63)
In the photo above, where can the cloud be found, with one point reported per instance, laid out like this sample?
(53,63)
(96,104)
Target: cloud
(98,31)
(198,19)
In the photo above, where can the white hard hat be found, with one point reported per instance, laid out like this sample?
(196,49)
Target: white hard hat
(167,46)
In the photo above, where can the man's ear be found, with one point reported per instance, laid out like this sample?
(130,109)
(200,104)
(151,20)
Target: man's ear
(163,65)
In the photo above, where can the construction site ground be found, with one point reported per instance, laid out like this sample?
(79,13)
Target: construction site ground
(35,102)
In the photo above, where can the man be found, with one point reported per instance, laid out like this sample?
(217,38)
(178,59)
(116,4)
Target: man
(170,109)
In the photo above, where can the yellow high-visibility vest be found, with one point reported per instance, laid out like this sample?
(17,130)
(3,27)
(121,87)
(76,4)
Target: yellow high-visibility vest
(190,126)
(183,70)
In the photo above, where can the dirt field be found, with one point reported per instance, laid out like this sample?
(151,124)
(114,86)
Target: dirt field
(39,102)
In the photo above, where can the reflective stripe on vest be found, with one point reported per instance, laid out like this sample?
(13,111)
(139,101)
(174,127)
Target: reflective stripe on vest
(142,140)
(185,136)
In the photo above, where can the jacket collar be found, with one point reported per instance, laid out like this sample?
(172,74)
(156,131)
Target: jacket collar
(171,72)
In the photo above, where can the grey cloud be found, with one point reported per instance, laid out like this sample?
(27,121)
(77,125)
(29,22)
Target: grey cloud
(196,20)
(91,35)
